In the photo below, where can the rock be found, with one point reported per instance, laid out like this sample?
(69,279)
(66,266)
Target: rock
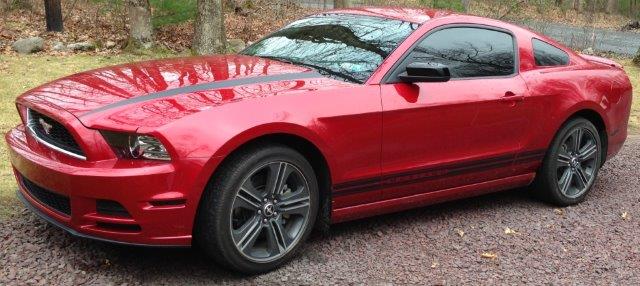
(588,51)
(59,46)
(633,25)
(82,46)
(636,61)
(235,45)
(28,45)
(110,44)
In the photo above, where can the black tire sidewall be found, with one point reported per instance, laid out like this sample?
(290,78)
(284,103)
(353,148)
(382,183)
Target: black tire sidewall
(213,223)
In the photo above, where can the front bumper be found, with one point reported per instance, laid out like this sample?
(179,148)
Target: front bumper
(160,203)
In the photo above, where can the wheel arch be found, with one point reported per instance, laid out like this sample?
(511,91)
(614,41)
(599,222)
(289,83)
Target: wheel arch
(293,139)
(598,121)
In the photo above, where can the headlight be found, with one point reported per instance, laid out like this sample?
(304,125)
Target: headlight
(136,146)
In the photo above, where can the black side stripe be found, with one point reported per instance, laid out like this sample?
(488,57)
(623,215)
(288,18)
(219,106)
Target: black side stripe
(434,173)
(207,86)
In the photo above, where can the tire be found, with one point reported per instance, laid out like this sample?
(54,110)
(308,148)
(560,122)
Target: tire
(568,173)
(240,226)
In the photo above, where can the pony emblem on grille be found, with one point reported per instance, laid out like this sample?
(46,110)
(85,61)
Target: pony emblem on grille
(45,126)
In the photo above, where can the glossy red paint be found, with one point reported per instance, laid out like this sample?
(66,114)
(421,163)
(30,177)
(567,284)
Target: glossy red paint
(387,147)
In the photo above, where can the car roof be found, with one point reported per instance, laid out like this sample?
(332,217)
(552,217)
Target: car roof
(414,15)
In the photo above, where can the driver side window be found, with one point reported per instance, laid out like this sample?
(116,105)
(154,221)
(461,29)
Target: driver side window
(468,52)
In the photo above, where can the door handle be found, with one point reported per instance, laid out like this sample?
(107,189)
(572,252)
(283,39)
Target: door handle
(511,97)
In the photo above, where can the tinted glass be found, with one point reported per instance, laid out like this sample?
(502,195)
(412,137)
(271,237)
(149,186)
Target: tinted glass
(548,55)
(348,47)
(469,52)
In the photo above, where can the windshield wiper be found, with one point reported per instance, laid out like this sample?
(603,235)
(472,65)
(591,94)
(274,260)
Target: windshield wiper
(315,67)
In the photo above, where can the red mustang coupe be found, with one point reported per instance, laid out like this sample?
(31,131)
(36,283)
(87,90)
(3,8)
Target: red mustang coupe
(337,116)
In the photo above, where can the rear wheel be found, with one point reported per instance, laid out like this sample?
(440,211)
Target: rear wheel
(571,165)
(260,208)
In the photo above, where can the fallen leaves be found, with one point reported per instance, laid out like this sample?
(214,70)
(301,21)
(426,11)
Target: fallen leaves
(558,211)
(460,232)
(489,255)
(434,264)
(510,231)
(625,215)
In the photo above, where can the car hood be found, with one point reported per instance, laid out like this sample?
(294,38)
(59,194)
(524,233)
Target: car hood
(153,93)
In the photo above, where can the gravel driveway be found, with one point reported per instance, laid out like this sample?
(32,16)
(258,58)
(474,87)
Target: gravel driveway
(459,242)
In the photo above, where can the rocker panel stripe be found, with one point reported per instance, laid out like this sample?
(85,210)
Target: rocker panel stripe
(433,173)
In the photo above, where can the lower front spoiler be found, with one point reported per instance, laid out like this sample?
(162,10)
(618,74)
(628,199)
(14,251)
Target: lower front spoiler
(82,235)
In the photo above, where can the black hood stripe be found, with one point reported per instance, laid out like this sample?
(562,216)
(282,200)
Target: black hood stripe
(207,86)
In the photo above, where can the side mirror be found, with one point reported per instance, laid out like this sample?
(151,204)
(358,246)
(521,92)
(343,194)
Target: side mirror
(425,72)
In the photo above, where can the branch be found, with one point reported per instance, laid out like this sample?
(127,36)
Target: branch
(511,9)
(73,5)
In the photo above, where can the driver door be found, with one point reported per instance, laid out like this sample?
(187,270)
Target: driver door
(440,135)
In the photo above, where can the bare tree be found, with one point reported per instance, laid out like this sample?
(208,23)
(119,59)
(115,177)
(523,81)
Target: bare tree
(53,15)
(612,5)
(341,3)
(209,33)
(4,5)
(577,5)
(466,4)
(140,30)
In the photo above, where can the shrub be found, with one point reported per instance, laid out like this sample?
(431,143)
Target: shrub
(636,59)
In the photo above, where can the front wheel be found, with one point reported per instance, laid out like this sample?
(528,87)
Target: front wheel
(571,165)
(258,209)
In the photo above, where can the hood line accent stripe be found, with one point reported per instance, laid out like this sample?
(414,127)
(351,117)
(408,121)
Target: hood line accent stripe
(207,86)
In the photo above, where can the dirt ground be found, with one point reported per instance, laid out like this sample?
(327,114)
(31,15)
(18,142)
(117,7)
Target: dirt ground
(503,238)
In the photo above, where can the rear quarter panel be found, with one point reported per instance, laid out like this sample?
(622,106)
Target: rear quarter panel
(560,92)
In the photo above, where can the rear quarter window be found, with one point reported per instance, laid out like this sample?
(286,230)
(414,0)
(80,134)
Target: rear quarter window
(547,55)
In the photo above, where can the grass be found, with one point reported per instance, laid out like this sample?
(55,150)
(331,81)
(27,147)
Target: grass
(165,12)
(634,75)
(21,73)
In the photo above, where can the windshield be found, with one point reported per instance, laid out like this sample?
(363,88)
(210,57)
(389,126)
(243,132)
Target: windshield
(342,46)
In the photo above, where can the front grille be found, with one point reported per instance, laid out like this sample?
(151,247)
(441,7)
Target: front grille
(53,134)
(50,199)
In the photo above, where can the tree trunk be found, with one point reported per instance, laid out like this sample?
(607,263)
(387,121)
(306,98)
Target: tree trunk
(140,30)
(209,35)
(612,6)
(4,5)
(341,4)
(558,3)
(53,15)
(577,5)
(591,5)
(466,4)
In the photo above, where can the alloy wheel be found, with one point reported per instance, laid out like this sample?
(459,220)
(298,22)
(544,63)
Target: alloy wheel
(577,162)
(270,211)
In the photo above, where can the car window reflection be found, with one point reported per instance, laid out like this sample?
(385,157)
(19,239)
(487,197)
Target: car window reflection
(347,47)
(469,52)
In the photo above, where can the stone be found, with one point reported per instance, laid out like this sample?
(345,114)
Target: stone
(588,51)
(110,45)
(82,46)
(28,45)
(59,46)
(235,45)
